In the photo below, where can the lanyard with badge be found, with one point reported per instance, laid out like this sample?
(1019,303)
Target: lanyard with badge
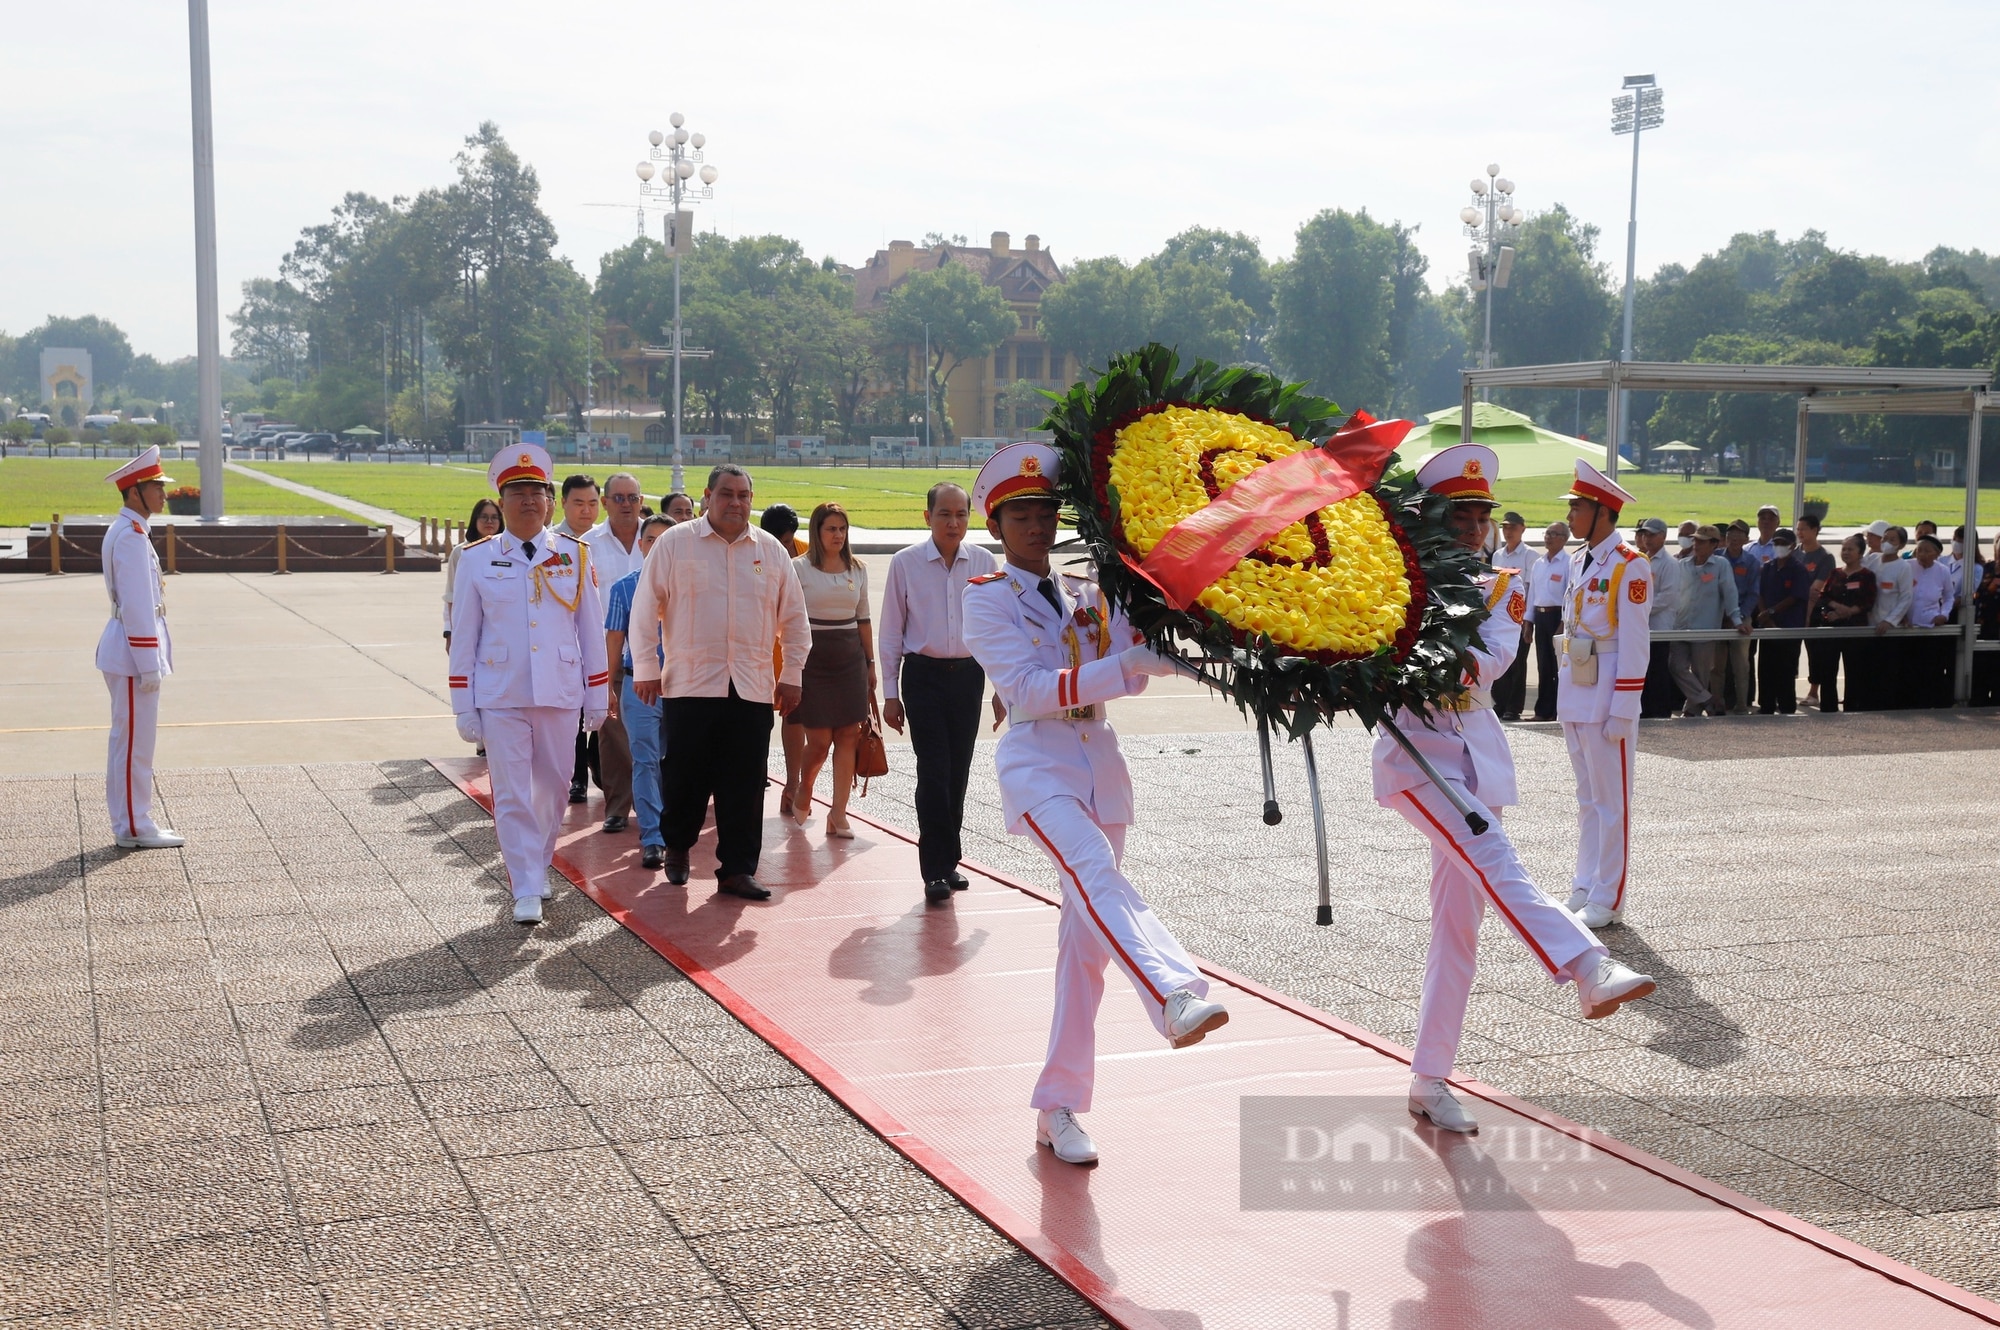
(1579,647)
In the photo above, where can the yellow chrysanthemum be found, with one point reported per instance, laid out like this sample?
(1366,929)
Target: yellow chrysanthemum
(1334,582)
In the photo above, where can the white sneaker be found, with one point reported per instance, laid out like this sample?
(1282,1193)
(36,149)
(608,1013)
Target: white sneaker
(1058,1129)
(1610,986)
(1442,1108)
(164,838)
(1190,1018)
(1599,916)
(1577,900)
(528,910)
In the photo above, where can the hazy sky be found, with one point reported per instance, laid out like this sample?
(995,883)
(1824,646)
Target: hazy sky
(1102,127)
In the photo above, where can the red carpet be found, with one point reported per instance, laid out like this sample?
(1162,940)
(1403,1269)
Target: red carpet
(929,1024)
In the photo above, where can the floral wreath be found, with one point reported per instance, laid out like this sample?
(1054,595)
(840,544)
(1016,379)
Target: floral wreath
(1365,604)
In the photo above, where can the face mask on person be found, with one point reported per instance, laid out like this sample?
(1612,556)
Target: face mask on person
(1958,549)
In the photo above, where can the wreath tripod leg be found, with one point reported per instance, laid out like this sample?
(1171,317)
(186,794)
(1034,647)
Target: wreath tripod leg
(1272,817)
(1324,915)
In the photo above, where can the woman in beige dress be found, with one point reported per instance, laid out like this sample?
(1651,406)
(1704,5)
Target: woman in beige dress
(839,677)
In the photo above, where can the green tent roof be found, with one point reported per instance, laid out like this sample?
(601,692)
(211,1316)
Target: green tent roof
(1525,448)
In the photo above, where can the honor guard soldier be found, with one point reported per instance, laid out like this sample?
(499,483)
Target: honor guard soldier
(1467,746)
(1607,646)
(1056,652)
(135,653)
(527,655)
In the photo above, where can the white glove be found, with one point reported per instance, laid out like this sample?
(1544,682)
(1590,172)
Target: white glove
(593,721)
(468,727)
(1622,727)
(1142,659)
(149,682)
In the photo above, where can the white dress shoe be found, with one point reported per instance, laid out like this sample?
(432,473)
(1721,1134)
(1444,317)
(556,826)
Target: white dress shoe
(1577,900)
(1599,916)
(1610,985)
(1190,1018)
(1058,1129)
(528,910)
(165,838)
(1437,1103)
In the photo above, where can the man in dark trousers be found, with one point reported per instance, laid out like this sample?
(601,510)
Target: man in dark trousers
(1784,584)
(930,679)
(722,594)
(1547,579)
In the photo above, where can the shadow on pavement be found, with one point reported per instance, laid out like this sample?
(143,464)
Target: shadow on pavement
(1693,1031)
(922,943)
(1501,1266)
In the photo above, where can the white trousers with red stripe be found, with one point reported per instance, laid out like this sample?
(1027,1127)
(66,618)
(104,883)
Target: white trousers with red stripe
(529,754)
(1468,873)
(128,768)
(1604,768)
(1103,921)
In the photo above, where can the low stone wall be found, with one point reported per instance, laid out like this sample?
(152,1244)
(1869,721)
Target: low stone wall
(234,545)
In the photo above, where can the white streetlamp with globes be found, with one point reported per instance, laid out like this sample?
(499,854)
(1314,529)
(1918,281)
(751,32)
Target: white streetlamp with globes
(1491,219)
(676,159)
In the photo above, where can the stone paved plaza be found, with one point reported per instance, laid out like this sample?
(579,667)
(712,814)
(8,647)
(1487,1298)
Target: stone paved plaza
(303,1073)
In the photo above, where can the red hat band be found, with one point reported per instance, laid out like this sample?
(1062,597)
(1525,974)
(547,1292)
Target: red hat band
(1019,487)
(1583,489)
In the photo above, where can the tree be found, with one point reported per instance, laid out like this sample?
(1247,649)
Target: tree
(1333,303)
(1195,313)
(1100,308)
(270,333)
(960,316)
(1558,305)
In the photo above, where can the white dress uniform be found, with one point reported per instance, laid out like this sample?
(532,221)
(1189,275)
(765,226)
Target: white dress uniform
(1064,783)
(134,653)
(1607,613)
(1467,746)
(527,656)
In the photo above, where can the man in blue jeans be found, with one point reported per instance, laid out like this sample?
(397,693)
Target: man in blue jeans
(641,721)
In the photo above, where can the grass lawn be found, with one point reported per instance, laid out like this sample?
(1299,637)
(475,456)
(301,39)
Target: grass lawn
(31,488)
(1669,497)
(873,496)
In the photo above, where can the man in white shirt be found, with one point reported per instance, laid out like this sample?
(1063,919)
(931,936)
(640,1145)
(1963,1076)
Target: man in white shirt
(615,551)
(1933,594)
(930,678)
(1768,522)
(1510,690)
(1874,534)
(1662,696)
(1548,577)
(724,594)
(1895,590)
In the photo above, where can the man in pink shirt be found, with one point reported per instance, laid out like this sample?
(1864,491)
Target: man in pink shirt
(720,595)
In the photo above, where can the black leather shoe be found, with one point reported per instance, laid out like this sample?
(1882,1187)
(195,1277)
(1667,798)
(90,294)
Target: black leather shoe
(742,884)
(957,880)
(652,857)
(614,824)
(677,867)
(579,794)
(937,890)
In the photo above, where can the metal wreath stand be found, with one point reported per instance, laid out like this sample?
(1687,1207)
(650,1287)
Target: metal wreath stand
(1273,815)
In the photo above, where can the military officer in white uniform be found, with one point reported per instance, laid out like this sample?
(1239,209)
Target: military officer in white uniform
(135,652)
(1056,652)
(1467,746)
(1607,645)
(527,655)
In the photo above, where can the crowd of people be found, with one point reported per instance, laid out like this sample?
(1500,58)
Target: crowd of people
(1742,577)
(823,672)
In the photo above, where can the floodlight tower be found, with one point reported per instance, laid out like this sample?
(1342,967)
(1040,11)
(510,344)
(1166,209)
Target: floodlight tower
(1490,219)
(680,156)
(1642,108)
